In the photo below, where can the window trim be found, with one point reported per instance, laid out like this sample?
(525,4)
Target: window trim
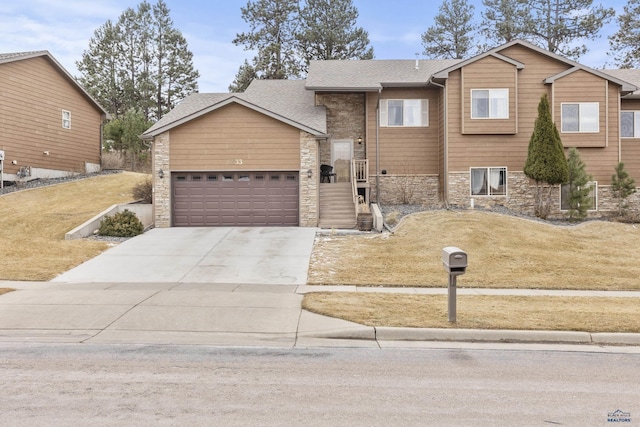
(488,169)
(636,124)
(423,114)
(594,186)
(579,104)
(490,90)
(66,119)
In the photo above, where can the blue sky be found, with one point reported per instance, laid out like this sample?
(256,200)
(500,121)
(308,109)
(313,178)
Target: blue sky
(65,27)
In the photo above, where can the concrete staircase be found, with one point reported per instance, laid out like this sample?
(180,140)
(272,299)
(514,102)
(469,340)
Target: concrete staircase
(336,206)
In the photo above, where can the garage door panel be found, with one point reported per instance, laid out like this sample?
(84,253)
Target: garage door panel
(235,198)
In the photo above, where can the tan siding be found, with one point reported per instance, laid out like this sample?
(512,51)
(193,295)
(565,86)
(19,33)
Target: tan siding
(489,73)
(631,146)
(33,94)
(411,150)
(581,86)
(235,138)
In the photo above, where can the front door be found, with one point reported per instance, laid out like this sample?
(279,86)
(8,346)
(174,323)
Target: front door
(341,155)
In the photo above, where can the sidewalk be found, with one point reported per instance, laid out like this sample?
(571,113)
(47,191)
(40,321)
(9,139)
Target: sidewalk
(235,315)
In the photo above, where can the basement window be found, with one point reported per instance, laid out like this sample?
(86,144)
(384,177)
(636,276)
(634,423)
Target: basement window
(489,181)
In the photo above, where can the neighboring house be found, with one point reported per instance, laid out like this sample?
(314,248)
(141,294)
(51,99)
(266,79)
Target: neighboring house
(450,132)
(49,125)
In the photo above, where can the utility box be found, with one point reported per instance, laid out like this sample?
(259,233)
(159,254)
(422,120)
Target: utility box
(454,260)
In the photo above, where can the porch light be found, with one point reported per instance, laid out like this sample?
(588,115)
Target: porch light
(360,140)
(309,173)
(160,174)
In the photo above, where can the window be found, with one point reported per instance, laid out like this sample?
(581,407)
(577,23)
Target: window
(489,103)
(630,124)
(593,196)
(489,181)
(66,119)
(404,112)
(581,117)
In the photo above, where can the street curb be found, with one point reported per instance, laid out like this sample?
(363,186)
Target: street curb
(478,335)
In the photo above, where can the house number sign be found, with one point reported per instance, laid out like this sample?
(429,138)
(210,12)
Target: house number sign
(236,162)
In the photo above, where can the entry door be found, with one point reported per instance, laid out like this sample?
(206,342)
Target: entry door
(341,155)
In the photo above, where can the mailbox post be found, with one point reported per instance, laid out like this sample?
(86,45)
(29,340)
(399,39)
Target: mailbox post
(454,261)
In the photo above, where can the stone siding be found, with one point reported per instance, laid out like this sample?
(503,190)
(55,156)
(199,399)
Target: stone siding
(521,197)
(308,186)
(345,120)
(407,189)
(162,187)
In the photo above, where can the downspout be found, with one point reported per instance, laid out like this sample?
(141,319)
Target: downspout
(445,154)
(378,148)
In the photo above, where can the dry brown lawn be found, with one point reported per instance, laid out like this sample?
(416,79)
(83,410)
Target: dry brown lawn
(503,252)
(5,290)
(481,312)
(33,224)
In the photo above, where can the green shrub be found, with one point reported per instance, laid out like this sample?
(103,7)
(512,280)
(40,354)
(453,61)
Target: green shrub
(122,224)
(144,190)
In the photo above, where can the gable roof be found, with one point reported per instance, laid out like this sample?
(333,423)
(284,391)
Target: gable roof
(574,66)
(285,100)
(20,56)
(372,75)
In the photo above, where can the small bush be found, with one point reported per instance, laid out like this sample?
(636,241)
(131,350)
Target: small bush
(122,224)
(112,160)
(144,190)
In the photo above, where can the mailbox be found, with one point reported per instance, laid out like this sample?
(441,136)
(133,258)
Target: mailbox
(454,260)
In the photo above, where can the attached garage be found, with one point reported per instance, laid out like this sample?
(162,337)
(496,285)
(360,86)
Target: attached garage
(235,199)
(239,159)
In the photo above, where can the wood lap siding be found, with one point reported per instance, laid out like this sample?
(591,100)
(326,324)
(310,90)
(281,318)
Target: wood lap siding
(235,138)
(489,73)
(581,86)
(631,146)
(405,150)
(33,94)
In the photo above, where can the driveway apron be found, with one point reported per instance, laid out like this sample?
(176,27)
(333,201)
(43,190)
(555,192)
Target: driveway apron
(225,255)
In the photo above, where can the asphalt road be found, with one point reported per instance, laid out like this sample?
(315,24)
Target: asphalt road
(56,385)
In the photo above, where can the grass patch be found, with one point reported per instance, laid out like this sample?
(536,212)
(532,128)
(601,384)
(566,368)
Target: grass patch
(589,314)
(33,224)
(504,252)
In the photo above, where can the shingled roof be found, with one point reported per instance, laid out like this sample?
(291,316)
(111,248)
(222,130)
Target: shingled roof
(372,75)
(630,75)
(284,100)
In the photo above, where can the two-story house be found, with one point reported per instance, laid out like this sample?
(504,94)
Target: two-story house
(451,133)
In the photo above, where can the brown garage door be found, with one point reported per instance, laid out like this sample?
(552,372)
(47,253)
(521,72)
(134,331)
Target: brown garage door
(235,198)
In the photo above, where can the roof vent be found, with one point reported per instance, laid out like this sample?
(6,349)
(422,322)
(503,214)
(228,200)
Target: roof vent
(417,63)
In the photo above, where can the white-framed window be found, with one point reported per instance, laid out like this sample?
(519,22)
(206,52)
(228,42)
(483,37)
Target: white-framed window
(66,119)
(630,124)
(404,112)
(581,117)
(593,196)
(489,181)
(489,103)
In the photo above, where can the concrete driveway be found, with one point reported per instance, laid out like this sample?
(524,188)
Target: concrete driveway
(228,255)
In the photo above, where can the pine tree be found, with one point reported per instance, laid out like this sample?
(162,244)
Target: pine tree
(624,43)
(502,20)
(622,186)
(560,25)
(243,79)
(273,35)
(545,163)
(579,201)
(328,31)
(452,34)
(141,61)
